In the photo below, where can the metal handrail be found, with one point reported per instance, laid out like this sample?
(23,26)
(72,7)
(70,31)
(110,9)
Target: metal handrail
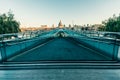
(99,38)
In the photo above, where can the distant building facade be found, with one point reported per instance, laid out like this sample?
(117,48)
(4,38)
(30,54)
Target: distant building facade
(44,26)
(95,27)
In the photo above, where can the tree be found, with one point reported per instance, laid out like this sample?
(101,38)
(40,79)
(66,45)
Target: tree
(70,26)
(112,24)
(8,24)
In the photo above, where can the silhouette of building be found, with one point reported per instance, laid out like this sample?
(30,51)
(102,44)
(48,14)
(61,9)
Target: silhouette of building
(60,25)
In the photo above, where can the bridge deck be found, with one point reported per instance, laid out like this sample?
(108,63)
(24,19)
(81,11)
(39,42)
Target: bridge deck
(60,49)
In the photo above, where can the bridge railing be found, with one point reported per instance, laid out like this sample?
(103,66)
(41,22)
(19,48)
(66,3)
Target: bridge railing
(22,35)
(99,34)
(20,42)
(106,42)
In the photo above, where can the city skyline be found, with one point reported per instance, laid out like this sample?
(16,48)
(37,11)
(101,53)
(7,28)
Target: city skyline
(48,12)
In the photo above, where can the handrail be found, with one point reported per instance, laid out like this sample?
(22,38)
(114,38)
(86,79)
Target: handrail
(28,40)
(23,35)
(100,40)
(87,35)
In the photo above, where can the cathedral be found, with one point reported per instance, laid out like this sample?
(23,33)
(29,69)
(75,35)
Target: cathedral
(60,25)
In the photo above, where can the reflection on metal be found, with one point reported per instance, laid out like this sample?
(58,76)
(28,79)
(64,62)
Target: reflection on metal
(119,53)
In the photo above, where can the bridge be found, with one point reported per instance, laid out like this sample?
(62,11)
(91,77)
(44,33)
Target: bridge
(62,49)
(59,45)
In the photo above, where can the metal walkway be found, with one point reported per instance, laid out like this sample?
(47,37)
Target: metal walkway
(60,49)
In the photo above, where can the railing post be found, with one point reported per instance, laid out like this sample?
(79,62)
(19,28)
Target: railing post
(3,52)
(119,53)
(116,50)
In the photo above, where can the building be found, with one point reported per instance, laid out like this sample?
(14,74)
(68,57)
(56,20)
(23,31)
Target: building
(95,27)
(44,26)
(60,25)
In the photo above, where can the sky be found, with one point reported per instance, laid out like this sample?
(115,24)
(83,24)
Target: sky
(34,13)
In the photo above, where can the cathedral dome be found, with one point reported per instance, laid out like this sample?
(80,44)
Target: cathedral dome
(60,25)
